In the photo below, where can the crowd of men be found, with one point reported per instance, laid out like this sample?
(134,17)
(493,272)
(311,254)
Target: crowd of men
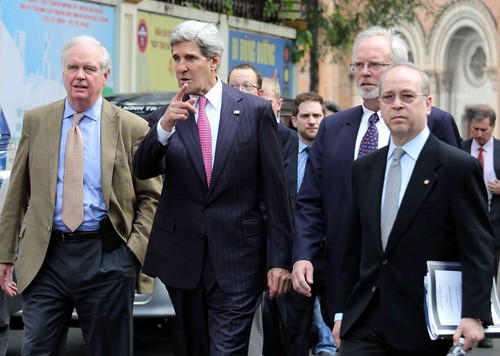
(257,230)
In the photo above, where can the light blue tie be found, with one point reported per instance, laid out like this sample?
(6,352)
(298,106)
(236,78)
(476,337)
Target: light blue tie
(391,197)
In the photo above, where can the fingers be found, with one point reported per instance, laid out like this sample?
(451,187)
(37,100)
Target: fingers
(336,333)
(302,277)
(177,110)
(6,282)
(278,280)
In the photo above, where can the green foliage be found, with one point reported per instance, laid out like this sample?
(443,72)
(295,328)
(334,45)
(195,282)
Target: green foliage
(337,30)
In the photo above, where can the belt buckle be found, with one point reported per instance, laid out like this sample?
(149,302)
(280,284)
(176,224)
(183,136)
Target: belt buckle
(63,236)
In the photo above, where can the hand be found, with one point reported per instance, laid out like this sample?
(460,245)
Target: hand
(494,186)
(6,282)
(302,277)
(336,332)
(471,330)
(177,110)
(278,281)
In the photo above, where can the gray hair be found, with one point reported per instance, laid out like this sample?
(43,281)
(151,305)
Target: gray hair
(426,87)
(204,34)
(398,44)
(273,85)
(481,112)
(105,62)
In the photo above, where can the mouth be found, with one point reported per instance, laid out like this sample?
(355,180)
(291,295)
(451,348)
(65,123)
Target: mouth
(183,80)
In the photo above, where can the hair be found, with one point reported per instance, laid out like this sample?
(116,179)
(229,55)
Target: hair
(272,85)
(248,66)
(204,34)
(425,78)
(398,44)
(330,105)
(90,41)
(308,96)
(482,112)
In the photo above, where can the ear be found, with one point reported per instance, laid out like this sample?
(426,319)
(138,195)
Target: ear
(428,105)
(293,119)
(215,61)
(279,103)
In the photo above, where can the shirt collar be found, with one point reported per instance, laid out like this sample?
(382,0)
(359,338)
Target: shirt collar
(488,146)
(413,147)
(302,146)
(94,112)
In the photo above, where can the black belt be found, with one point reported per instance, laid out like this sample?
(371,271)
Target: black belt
(76,236)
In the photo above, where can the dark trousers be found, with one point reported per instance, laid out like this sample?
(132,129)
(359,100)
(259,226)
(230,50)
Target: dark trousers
(367,338)
(287,320)
(210,321)
(99,284)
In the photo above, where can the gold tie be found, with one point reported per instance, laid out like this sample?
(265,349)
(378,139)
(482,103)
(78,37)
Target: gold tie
(72,202)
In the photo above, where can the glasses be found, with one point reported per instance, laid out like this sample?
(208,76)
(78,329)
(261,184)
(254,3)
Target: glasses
(407,98)
(244,87)
(373,67)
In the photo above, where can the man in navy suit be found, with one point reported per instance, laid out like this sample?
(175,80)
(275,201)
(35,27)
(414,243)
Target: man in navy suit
(415,200)
(209,242)
(324,201)
(487,149)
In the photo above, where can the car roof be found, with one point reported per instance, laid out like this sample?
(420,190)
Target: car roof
(141,103)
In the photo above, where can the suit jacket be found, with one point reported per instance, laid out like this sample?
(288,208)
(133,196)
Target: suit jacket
(443,216)
(324,202)
(26,222)
(289,146)
(495,199)
(225,217)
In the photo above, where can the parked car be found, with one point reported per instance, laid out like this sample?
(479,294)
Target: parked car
(155,308)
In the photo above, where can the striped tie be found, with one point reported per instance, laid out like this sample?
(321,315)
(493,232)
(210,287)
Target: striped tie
(205,137)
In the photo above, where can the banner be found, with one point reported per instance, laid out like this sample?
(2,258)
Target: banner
(32,33)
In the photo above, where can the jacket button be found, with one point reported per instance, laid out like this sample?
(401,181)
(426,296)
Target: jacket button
(384,262)
(374,289)
(202,236)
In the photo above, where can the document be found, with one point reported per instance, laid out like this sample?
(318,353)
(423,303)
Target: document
(443,300)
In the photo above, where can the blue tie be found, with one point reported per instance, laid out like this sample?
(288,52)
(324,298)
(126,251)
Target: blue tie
(369,142)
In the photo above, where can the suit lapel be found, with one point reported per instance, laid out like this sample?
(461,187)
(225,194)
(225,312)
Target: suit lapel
(348,143)
(496,157)
(109,139)
(420,185)
(230,118)
(373,183)
(188,133)
(54,128)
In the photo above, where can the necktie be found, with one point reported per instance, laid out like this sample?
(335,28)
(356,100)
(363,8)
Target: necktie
(72,202)
(369,142)
(302,166)
(480,157)
(205,137)
(391,197)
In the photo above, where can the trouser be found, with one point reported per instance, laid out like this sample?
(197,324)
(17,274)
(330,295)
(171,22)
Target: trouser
(98,283)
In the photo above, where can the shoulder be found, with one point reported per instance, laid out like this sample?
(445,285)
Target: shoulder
(126,119)
(345,117)
(439,115)
(47,108)
(467,144)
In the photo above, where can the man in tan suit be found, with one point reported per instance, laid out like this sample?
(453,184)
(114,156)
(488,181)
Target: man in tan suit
(93,266)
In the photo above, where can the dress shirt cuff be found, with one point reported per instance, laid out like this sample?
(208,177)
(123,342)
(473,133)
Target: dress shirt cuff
(338,316)
(163,136)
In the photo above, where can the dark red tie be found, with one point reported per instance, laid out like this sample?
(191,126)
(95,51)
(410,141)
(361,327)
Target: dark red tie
(480,156)
(205,137)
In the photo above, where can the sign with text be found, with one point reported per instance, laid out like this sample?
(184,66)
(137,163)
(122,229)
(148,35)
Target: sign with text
(155,69)
(32,34)
(270,55)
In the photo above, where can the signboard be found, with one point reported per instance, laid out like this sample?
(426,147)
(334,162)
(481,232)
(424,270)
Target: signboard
(32,33)
(155,69)
(270,55)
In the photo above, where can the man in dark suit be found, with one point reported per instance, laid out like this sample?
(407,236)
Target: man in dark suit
(90,264)
(486,148)
(325,197)
(220,153)
(416,200)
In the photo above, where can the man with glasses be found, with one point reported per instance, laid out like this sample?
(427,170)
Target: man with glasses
(415,200)
(324,201)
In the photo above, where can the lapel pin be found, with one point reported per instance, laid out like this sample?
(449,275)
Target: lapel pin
(236,112)
(426,182)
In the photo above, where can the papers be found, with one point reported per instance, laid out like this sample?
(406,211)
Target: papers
(443,300)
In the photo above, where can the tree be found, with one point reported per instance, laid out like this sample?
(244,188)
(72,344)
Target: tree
(334,31)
